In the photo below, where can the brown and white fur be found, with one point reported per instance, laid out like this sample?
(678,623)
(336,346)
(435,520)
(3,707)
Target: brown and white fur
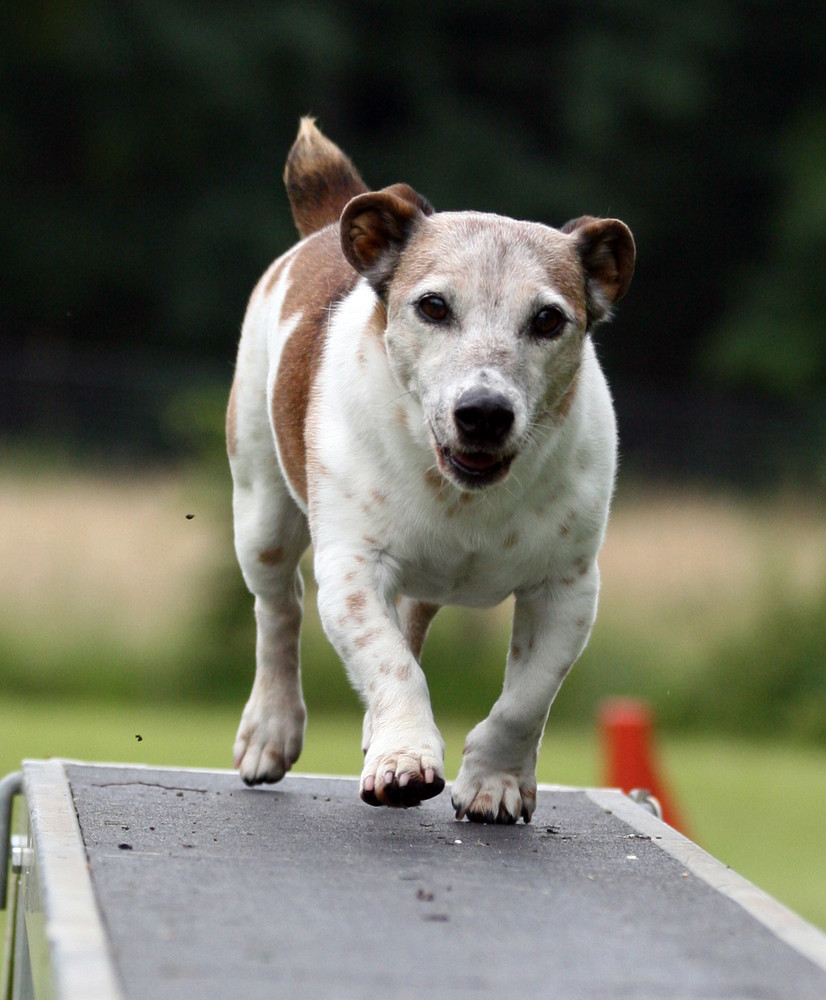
(417,395)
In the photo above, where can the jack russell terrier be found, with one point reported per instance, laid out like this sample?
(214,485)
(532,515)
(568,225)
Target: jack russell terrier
(417,394)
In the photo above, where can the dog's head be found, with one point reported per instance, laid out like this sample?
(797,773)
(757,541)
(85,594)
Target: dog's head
(486,317)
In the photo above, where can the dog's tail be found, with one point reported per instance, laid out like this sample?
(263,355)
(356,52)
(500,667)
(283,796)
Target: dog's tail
(320,179)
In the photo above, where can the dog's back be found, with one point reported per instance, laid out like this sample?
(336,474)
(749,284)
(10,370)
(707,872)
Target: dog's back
(320,180)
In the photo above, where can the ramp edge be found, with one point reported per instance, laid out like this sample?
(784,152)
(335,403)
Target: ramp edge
(81,963)
(785,924)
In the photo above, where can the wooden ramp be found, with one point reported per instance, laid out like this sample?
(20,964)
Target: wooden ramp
(150,884)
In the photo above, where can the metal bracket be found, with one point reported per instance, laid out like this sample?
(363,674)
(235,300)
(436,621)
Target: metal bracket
(645,799)
(10,786)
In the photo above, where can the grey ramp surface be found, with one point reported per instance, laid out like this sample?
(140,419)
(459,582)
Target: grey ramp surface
(212,890)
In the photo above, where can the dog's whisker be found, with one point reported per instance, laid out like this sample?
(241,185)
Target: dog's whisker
(401,395)
(506,486)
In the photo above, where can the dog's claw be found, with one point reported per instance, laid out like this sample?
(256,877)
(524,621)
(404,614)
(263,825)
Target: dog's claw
(402,795)
(269,741)
(494,798)
(400,787)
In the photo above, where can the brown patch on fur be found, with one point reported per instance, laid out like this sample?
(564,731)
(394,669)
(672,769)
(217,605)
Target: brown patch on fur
(366,638)
(377,323)
(418,622)
(232,421)
(320,278)
(356,603)
(564,405)
(403,673)
(511,540)
(565,527)
(270,279)
(271,557)
(433,479)
(378,497)
(516,651)
(566,274)
(319,178)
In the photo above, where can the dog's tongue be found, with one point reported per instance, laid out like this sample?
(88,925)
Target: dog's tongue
(477,462)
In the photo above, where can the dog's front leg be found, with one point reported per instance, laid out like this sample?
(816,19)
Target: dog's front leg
(403,749)
(497,780)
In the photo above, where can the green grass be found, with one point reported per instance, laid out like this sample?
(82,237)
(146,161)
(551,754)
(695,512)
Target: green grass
(760,808)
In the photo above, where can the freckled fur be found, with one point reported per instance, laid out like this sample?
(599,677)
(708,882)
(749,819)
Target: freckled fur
(342,429)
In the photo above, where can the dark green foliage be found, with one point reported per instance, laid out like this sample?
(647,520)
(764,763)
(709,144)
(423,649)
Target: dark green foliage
(142,145)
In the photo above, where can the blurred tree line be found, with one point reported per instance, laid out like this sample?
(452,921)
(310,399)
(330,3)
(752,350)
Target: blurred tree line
(142,145)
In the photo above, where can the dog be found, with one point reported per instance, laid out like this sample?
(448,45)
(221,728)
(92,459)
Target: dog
(417,395)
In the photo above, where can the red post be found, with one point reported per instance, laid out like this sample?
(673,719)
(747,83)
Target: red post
(626,730)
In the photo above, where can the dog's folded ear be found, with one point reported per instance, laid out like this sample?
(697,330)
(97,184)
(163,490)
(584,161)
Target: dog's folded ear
(606,249)
(375,228)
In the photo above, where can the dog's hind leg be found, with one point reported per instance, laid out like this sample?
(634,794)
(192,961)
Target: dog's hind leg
(270,536)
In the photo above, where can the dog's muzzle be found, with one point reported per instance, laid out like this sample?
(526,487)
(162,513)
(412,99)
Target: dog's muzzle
(483,421)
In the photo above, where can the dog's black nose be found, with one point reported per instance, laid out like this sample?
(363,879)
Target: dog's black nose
(483,417)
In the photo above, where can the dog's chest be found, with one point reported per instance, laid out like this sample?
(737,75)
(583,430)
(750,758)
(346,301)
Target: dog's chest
(463,549)
(472,579)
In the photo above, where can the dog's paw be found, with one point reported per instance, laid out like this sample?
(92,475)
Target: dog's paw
(402,778)
(495,797)
(269,741)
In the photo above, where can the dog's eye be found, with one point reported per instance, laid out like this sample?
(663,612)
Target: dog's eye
(434,308)
(549,322)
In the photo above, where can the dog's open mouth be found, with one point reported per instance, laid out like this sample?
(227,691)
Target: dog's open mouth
(475,469)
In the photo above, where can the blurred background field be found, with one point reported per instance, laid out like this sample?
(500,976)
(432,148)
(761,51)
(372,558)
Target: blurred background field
(142,147)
